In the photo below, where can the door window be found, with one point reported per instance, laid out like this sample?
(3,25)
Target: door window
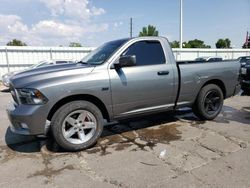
(147,53)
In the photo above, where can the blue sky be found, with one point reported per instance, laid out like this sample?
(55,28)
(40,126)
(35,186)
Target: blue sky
(92,22)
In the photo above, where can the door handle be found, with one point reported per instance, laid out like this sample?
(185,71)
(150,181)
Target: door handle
(160,73)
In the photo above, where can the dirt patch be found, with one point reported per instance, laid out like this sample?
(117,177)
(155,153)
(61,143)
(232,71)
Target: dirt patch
(8,152)
(50,171)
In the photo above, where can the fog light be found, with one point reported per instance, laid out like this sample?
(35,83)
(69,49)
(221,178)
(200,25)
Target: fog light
(24,125)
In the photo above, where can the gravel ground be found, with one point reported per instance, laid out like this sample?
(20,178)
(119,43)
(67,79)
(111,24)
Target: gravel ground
(172,149)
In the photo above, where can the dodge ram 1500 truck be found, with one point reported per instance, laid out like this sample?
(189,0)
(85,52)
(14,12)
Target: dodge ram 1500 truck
(120,79)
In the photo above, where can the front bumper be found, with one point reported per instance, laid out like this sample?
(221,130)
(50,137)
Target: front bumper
(27,119)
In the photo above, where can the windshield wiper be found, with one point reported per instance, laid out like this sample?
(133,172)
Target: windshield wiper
(82,62)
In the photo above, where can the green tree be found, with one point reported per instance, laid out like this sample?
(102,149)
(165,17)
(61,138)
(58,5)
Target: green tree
(195,44)
(75,44)
(16,42)
(223,43)
(149,31)
(175,44)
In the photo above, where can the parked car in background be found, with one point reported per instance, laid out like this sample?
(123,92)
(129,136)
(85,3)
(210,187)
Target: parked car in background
(209,59)
(201,59)
(244,60)
(6,77)
(245,72)
(121,79)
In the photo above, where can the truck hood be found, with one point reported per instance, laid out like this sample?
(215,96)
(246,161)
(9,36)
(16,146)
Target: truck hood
(49,74)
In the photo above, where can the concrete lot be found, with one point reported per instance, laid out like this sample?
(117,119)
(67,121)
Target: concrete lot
(165,150)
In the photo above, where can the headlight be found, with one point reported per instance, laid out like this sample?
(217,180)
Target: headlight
(31,96)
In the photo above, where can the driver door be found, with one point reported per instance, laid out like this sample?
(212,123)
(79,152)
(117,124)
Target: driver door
(147,86)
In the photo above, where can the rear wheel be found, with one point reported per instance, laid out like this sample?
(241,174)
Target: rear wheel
(77,125)
(209,102)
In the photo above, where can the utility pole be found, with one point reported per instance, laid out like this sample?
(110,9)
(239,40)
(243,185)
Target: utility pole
(180,32)
(131,27)
(247,39)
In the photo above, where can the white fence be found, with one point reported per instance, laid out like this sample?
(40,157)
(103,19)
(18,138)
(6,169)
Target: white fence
(18,58)
(191,54)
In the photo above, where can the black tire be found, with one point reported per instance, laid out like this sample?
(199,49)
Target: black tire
(58,120)
(205,109)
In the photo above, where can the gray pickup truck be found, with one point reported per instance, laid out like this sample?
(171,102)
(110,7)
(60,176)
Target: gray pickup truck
(120,79)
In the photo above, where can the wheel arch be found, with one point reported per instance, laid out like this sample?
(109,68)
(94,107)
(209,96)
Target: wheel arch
(90,98)
(219,83)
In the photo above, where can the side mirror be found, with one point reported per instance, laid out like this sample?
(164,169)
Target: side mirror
(126,61)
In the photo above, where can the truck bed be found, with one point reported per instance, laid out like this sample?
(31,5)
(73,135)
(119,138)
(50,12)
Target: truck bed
(193,75)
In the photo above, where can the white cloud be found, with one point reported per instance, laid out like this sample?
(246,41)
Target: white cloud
(70,21)
(78,9)
(11,23)
(117,24)
(11,26)
(56,29)
(45,32)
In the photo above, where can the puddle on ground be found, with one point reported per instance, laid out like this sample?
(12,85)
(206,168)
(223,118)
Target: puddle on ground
(247,112)
(229,114)
(133,140)
(162,134)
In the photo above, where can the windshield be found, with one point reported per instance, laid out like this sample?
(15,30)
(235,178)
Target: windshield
(101,54)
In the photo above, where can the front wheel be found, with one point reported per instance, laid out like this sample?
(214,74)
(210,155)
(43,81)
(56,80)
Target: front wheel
(77,125)
(209,102)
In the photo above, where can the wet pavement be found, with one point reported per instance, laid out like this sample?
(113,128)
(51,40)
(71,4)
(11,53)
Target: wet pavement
(172,149)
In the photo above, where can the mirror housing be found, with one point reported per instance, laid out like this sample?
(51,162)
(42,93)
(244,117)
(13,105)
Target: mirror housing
(126,61)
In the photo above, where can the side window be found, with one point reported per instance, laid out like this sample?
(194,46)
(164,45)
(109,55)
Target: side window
(147,53)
